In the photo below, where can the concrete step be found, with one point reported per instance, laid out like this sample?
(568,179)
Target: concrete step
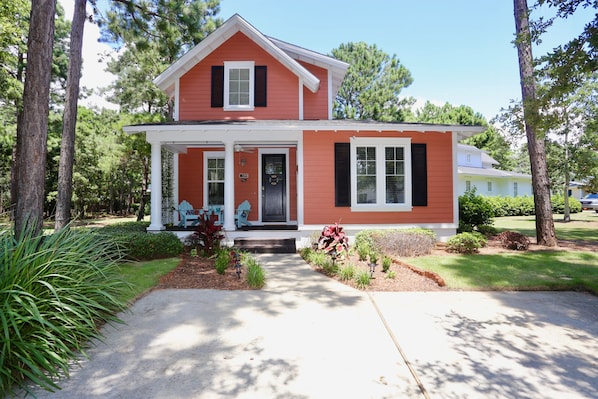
(267,245)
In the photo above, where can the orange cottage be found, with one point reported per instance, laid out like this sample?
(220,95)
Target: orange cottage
(253,143)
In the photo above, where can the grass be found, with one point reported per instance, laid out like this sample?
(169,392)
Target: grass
(540,270)
(583,226)
(144,275)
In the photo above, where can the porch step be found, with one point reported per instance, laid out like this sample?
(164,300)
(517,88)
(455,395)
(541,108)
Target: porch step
(267,245)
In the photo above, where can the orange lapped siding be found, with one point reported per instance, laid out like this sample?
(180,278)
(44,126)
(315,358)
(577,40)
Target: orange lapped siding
(319,181)
(195,85)
(191,179)
(315,105)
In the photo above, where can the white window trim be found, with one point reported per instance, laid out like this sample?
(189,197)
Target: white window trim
(209,155)
(228,65)
(380,144)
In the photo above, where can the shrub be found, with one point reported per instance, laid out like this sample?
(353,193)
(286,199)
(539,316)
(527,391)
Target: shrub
(474,210)
(55,291)
(487,231)
(466,243)
(363,252)
(329,267)
(386,262)
(558,204)
(207,236)
(334,241)
(145,246)
(137,244)
(399,242)
(346,273)
(362,279)
(223,260)
(256,278)
(391,274)
(513,240)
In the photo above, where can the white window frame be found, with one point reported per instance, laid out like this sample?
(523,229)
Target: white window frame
(210,155)
(467,185)
(381,144)
(515,189)
(489,186)
(228,65)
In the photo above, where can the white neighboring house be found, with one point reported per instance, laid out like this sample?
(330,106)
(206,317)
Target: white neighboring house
(476,169)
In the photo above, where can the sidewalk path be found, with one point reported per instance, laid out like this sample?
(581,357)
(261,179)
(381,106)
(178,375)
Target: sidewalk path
(307,336)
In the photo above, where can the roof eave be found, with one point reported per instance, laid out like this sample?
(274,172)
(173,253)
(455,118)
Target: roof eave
(166,80)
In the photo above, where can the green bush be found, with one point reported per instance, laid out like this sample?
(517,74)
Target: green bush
(474,210)
(137,244)
(466,243)
(386,262)
(256,278)
(55,292)
(398,242)
(346,273)
(363,279)
(223,260)
(558,204)
(146,246)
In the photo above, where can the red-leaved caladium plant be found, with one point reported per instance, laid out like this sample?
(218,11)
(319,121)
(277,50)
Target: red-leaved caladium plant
(333,240)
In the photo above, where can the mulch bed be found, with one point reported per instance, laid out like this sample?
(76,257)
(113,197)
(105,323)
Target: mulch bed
(200,273)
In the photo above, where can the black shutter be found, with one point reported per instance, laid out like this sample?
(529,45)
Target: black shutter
(342,174)
(217,86)
(259,95)
(419,175)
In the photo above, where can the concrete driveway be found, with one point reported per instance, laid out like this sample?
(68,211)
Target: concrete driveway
(306,336)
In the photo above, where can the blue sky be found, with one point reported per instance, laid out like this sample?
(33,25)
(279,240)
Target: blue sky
(458,51)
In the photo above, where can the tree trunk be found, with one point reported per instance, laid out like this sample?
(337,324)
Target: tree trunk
(32,145)
(566,208)
(69,119)
(536,145)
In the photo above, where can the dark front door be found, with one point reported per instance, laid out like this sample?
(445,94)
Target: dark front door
(274,188)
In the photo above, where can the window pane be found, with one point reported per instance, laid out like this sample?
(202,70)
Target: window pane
(395,175)
(244,74)
(366,189)
(215,193)
(395,189)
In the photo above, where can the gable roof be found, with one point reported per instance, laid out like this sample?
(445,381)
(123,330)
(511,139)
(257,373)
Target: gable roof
(486,159)
(166,80)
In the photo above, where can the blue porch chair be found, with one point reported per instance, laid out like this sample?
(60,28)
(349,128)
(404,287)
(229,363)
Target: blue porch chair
(188,214)
(242,213)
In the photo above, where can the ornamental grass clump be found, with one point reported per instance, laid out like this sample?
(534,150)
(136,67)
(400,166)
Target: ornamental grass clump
(55,293)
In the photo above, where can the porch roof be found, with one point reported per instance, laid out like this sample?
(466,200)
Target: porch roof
(462,131)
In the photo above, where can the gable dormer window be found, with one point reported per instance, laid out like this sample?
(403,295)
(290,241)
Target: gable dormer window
(238,85)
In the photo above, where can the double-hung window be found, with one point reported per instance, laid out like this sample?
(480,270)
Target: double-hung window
(238,85)
(381,174)
(214,178)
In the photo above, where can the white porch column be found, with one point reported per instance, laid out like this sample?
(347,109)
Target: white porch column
(229,186)
(156,194)
(300,183)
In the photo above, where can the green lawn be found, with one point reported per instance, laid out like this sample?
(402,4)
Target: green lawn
(583,226)
(144,275)
(537,270)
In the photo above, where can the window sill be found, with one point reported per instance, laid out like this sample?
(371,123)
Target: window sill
(381,208)
(239,108)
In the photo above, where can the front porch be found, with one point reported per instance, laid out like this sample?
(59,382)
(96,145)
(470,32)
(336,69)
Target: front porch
(220,166)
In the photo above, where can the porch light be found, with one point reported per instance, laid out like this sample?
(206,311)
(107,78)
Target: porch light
(372,267)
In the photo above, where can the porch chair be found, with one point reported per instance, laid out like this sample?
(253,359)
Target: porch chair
(187,214)
(242,213)
(217,213)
